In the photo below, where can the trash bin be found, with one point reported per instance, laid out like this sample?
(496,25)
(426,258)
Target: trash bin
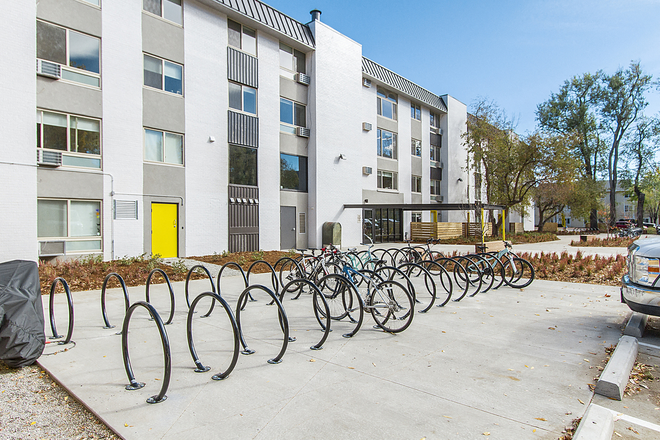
(331,233)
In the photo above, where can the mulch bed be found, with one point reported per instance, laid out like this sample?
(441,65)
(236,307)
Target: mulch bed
(246,259)
(604,242)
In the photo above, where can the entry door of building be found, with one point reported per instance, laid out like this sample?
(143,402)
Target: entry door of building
(287,227)
(164,230)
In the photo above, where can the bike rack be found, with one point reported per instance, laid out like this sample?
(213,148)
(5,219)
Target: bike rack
(169,285)
(134,384)
(360,301)
(51,312)
(201,368)
(240,269)
(392,270)
(442,262)
(190,272)
(273,279)
(284,321)
(317,293)
(299,270)
(443,271)
(127,302)
(427,278)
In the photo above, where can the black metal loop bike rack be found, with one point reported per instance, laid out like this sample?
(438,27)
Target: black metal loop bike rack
(127,301)
(51,312)
(208,274)
(428,278)
(317,294)
(323,283)
(284,321)
(167,353)
(273,278)
(445,281)
(169,285)
(201,368)
(457,268)
(282,262)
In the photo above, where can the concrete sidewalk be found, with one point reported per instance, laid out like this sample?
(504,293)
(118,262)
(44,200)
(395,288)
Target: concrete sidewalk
(504,364)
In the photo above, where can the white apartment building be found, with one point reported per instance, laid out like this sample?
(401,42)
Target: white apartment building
(188,127)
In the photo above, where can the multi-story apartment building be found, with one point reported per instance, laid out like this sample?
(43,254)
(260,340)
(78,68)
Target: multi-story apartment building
(187,127)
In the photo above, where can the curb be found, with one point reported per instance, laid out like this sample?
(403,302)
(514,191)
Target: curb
(636,325)
(596,424)
(613,379)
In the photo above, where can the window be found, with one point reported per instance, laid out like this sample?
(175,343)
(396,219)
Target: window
(163,75)
(242,165)
(79,54)
(416,148)
(387,144)
(435,153)
(435,120)
(243,98)
(386,104)
(76,221)
(79,137)
(242,37)
(416,184)
(93,2)
(292,115)
(435,187)
(415,111)
(416,217)
(387,180)
(291,61)
(293,172)
(168,9)
(161,146)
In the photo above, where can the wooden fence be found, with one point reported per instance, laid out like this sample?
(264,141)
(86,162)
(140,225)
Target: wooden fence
(421,231)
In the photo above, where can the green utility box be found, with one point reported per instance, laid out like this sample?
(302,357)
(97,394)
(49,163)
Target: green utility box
(331,233)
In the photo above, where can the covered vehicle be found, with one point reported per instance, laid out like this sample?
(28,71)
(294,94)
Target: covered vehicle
(641,285)
(22,337)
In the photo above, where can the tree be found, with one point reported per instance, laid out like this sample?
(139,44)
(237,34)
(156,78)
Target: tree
(571,112)
(651,186)
(621,98)
(640,154)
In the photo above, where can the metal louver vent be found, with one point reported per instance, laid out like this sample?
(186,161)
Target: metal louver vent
(126,209)
(302,132)
(303,79)
(48,69)
(49,158)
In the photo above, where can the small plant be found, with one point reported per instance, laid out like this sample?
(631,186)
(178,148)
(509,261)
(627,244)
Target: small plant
(258,255)
(154,262)
(179,267)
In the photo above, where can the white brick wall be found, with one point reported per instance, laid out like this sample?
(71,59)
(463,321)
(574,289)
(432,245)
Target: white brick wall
(18,172)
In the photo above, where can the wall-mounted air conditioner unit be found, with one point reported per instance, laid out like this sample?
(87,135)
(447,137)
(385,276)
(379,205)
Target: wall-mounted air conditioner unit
(303,79)
(52,248)
(439,199)
(366,82)
(366,126)
(49,158)
(49,69)
(367,171)
(302,132)
(439,130)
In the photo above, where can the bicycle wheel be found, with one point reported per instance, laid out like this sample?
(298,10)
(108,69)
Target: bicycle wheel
(519,273)
(498,268)
(487,272)
(391,306)
(336,290)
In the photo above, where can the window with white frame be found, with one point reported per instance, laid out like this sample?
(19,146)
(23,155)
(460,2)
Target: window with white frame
(243,98)
(386,104)
(291,61)
(163,75)
(435,120)
(386,144)
(435,153)
(162,146)
(77,53)
(168,9)
(387,180)
(416,147)
(77,222)
(77,137)
(93,2)
(292,115)
(416,217)
(416,184)
(415,111)
(435,187)
(242,37)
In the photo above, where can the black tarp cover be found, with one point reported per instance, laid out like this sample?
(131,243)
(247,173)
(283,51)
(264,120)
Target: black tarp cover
(22,337)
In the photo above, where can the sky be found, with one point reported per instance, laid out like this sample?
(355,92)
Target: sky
(515,53)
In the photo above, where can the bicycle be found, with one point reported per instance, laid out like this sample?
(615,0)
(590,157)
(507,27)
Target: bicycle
(391,305)
(416,254)
(516,272)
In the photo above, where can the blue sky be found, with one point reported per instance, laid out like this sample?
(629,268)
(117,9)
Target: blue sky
(513,52)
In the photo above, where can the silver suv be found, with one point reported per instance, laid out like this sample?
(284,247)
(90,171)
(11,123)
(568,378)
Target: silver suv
(641,285)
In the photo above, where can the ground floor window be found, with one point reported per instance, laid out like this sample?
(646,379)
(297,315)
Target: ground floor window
(382,225)
(77,222)
(293,172)
(242,165)
(416,217)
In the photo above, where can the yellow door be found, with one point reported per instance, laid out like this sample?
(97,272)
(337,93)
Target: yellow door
(164,237)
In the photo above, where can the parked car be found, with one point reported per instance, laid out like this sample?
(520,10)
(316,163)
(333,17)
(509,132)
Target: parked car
(641,285)
(624,223)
